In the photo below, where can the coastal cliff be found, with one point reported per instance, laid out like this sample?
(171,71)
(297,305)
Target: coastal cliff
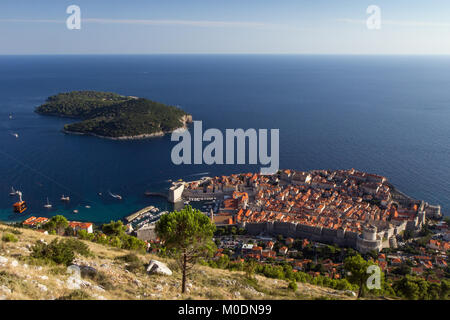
(186,119)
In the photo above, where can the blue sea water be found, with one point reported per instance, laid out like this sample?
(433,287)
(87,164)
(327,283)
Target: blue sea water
(383,114)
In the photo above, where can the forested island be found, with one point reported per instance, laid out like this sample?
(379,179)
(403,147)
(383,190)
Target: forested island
(114,116)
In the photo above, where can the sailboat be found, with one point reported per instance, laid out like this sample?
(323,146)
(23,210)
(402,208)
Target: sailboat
(63,198)
(47,205)
(117,196)
(13,192)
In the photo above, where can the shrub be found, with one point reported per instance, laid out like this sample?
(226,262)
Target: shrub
(84,235)
(9,237)
(114,228)
(100,278)
(60,252)
(15,231)
(292,286)
(134,264)
(132,243)
(78,246)
(55,252)
(76,295)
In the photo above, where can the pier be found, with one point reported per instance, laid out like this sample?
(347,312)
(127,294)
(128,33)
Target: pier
(135,215)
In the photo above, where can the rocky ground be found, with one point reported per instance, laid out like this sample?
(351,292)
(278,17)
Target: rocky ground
(104,277)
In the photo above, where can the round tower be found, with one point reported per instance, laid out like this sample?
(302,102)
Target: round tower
(370,233)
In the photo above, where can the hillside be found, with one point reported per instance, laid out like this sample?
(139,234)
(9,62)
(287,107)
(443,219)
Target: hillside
(111,115)
(22,277)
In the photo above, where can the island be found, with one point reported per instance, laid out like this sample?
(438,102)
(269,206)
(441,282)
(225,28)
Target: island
(114,116)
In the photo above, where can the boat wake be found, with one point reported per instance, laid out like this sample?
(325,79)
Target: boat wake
(198,174)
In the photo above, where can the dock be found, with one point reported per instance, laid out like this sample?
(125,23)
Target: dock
(135,215)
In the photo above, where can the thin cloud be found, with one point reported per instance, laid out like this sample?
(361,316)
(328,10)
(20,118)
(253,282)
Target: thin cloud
(32,20)
(401,23)
(196,23)
(150,22)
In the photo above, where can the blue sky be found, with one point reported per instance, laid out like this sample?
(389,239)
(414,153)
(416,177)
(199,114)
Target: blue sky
(225,26)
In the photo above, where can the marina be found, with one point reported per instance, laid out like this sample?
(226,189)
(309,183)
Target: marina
(140,213)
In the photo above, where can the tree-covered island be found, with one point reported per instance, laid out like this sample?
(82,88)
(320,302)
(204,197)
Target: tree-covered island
(111,115)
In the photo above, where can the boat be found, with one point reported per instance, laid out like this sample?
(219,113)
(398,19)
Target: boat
(47,205)
(100,194)
(75,211)
(63,198)
(13,192)
(15,135)
(10,116)
(117,196)
(87,207)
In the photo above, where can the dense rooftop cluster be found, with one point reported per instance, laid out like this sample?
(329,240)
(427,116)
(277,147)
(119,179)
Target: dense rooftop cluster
(331,199)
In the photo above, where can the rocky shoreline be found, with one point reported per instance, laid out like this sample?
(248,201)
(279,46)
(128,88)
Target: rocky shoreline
(186,120)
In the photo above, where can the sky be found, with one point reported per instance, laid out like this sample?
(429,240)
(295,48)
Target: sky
(225,26)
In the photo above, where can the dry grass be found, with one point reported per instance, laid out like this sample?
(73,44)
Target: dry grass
(25,278)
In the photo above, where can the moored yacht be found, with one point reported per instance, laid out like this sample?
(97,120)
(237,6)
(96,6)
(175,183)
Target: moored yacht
(48,205)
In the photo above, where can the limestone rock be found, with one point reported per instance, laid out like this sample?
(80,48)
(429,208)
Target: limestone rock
(75,283)
(3,261)
(42,287)
(5,289)
(155,266)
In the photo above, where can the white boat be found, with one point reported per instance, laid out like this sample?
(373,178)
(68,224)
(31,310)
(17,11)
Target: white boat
(87,207)
(75,211)
(48,205)
(15,135)
(13,192)
(63,198)
(117,196)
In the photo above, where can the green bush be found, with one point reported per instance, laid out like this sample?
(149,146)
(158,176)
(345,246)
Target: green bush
(55,252)
(60,252)
(132,243)
(78,246)
(9,237)
(15,231)
(134,263)
(84,235)
(292,286)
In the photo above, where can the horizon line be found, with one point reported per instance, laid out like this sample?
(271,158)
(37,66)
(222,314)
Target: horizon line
(226,53)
